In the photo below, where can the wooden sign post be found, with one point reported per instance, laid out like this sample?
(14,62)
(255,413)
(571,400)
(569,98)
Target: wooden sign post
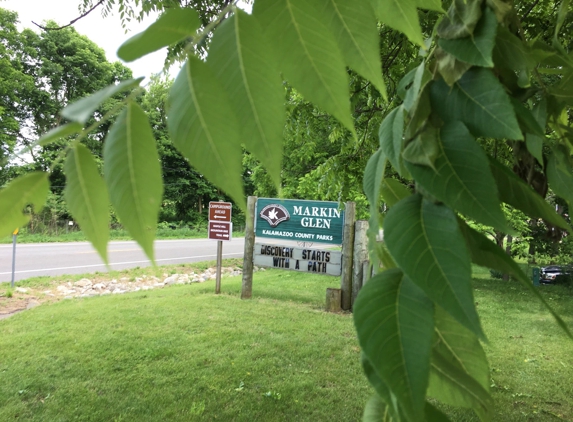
(14,236)
(220,229)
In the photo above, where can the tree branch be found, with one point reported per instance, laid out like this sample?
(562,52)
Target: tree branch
(71,22)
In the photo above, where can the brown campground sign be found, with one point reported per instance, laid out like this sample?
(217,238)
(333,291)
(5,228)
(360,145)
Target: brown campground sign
(220,226)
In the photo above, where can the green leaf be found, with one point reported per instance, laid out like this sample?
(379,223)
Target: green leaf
(172,26)
(479,100)
(60,132)
(247,68)
(31,188)
(204,127)
(462,177)
(525,118)
(393,191)
(81,110)
(435,415)
(421,77)
(390,134)
(426,243)
(87,197)
(405,82)
(500,8)
(515,192)
(511,52)
(376,410)
(401,15)
(419,114)
(564,90)
(562,14)
(535,143)
(464,354)
(381,388)
(133,175)
(449,67)
(354,26)
(435,5)
(487,254)
(560,175)
(460,20)
(477,48)
(382,403)
(452,385)
(373,177)
(423,149)
(309,55)
(394,322)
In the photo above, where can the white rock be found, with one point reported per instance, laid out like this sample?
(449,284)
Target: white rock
(61,288)
(99,286)
(21,290)
(105,292)
(171,280)
(118,292)
(147,288)
(183,279)
(138,279)
(122,279)
(84,282)
(47,292)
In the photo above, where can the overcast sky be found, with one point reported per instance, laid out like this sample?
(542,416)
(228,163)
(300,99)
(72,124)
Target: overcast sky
(105,32)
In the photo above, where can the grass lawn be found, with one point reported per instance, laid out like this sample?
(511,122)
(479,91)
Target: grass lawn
(115,234)
(183,354)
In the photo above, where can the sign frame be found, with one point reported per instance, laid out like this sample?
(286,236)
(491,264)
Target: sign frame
(299,220)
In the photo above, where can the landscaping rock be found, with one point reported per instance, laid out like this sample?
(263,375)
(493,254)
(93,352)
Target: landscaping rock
(171,279)
(84,282)
(21,290)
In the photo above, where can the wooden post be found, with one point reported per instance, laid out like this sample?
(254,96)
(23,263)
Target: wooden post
(219,263)
(366,272)
(360,255)
(347,253)
(333,299)
(247,286)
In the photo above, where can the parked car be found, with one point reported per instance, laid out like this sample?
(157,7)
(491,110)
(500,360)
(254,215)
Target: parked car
(554,274)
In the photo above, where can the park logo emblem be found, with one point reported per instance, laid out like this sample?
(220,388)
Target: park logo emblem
(274,214)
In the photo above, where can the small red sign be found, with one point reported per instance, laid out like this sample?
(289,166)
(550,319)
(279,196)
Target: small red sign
(220,230)
(220,211)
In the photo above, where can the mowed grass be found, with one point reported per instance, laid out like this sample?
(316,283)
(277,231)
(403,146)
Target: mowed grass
(114,234)
(183,354)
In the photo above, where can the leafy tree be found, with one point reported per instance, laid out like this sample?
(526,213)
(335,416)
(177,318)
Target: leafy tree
(15,83)
(482,75)
(187,192)
(44,73)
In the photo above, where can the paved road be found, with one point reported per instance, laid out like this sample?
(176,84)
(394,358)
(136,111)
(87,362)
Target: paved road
(80,257)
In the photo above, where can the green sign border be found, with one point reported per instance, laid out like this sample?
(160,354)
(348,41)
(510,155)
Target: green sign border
(311,221)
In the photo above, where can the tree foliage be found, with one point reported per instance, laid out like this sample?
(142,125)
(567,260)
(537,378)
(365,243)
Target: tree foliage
(482,76)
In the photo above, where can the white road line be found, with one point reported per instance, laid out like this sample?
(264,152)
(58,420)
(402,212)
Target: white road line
(112,242)
(119,263)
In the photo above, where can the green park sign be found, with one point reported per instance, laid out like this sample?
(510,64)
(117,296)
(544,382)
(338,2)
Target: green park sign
(298,220)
